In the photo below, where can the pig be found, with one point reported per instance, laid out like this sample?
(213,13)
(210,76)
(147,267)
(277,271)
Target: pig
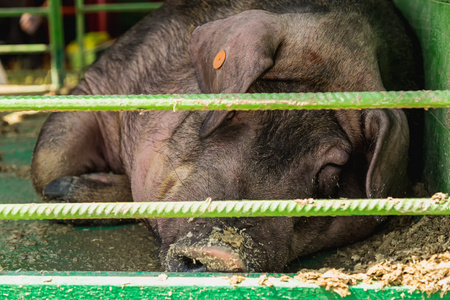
(271,46)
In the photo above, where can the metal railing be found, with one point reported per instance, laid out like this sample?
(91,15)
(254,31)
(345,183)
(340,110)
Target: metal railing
(55,47)
(356,100)
(353,100)
(231,208)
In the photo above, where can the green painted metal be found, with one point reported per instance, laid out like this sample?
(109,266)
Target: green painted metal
(56,31)
(437,121)
(230,208)
(121,7)
(80,30)
(16,12)
(431,21)
(355,100)
(437,150)
(146,285)
(25,48)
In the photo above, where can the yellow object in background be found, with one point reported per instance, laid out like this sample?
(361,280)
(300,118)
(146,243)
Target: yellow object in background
(91,42)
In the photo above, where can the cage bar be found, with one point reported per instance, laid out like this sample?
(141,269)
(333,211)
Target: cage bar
(354,100)
(228,208)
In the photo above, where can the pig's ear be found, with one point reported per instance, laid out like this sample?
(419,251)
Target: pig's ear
(230,54)
(388,135)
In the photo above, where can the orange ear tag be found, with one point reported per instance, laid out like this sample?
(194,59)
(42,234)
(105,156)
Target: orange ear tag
(219,60)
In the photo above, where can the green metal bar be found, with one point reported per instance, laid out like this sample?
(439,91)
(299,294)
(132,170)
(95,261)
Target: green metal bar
(121,7)
(430,20)
(80,30)
(25,48)
(56,31)
(151,285)
(232,208)
(360,100)
(16,12)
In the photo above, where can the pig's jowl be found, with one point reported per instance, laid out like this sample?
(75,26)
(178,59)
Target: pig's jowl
(270,46)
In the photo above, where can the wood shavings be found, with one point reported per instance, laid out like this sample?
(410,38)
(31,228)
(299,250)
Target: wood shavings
(330,279)
(17,117)
(236,279)
(303,202)
(440,197)
(411,251)
(430,276)
(162,277)
(265,281)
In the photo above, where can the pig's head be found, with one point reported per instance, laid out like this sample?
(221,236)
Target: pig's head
(274,155)
(226,155)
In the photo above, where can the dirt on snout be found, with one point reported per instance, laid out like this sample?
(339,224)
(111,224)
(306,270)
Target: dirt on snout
(229,236)
(236,241)
(411,251)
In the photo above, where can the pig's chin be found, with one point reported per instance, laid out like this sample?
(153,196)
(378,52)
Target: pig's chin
(219,251)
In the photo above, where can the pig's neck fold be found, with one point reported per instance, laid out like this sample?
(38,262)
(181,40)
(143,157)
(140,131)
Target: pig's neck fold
(147,169)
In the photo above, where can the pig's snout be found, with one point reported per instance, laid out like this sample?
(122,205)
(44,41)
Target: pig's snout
(222,250)
(198,258)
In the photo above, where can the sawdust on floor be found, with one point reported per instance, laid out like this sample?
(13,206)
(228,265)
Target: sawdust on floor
(411,251)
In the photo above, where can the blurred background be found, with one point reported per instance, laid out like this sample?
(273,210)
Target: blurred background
(46,44)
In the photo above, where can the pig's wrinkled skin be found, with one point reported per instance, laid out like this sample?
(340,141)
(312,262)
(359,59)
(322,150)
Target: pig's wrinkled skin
(271,46)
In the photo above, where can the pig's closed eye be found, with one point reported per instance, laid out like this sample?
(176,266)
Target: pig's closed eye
(328,176)
(214,120)
(328,181)
(228,118)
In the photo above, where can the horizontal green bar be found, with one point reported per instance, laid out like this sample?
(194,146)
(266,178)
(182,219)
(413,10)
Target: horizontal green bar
(241,208)
(15,12)
(148,285)
(356,100)
(27,48)
(120,7)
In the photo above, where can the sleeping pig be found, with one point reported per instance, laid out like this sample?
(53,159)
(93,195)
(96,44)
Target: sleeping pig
(266,46)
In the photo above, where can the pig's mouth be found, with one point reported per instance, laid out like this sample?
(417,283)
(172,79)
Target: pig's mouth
(212,253)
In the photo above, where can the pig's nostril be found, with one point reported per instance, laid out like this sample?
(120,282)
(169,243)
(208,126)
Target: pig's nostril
(191,265)
(183,258)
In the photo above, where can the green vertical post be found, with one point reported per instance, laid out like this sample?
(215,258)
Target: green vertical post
(56,32)
(430,20)
(80,28)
